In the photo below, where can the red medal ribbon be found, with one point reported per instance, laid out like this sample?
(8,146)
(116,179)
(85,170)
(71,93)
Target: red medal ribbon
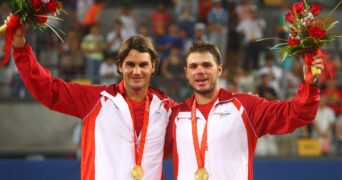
(308,59)
(12,25)
(139,152)
(200,151)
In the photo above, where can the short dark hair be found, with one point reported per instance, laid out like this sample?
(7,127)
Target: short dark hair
(201,47)
(141,44)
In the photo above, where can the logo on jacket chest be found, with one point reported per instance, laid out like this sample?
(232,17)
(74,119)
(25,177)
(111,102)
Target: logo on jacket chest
(221,114)
(215,115)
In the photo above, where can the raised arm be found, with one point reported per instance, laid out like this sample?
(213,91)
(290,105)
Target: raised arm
(275,117)
(56,94)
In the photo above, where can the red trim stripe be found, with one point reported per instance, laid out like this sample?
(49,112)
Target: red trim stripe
(175,153)
(88,144)
(252,139)
(236,104)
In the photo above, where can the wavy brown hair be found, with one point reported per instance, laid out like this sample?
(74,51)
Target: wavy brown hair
(141,44)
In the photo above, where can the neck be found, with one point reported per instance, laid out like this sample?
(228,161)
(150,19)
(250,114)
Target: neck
(136,95)
(204,98)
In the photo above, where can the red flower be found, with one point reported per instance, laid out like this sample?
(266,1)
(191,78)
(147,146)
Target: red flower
(318,22)
(289,17)
(41,17)
(316,32)
(297,7)
(293,41)
(59,5)
(52,6)
(315,9)
(36,4)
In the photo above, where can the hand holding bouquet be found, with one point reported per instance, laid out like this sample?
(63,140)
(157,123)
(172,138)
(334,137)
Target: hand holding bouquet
(308,33)
(34,12)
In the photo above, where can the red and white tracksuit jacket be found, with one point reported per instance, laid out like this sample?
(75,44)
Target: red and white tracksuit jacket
(107,132)
(235,123)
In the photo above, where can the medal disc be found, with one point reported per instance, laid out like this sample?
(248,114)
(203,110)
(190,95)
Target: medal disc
(201,174)
(137,172)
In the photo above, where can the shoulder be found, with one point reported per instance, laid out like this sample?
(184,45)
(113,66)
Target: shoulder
(159,93)
(163,96)
(249,100)
(184,106)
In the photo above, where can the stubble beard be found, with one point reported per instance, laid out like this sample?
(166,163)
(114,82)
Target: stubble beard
(206,91)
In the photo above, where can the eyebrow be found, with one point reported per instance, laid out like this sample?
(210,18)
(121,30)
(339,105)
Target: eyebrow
(140,63)
(202,63)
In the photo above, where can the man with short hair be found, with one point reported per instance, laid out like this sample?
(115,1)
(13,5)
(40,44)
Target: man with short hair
(215,131)
(124,124)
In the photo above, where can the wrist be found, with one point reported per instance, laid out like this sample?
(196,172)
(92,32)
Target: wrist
(315,82)
(312,83)
(18,43)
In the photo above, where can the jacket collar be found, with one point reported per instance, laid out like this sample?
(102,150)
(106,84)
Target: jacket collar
(119,88)
(224,95)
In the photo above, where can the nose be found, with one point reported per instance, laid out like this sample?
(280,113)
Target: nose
(199,70)
(136,70)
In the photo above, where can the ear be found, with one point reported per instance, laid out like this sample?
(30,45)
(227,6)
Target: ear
(186,72)
(153,67)
(219,70)
(120,67)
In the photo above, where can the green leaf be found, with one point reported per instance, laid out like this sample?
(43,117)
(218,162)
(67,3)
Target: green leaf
(332,25)
(333,10)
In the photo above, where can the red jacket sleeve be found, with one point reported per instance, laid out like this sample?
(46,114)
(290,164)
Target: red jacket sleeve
(169,131)
(69,98)
(275,117)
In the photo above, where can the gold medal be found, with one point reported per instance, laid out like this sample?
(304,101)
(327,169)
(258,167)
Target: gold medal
(201,174)
(137,172)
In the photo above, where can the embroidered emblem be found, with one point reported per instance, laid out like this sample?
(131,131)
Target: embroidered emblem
(222,114)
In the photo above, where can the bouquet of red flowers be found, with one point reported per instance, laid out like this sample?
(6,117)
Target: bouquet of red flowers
(308,34)
(34,12)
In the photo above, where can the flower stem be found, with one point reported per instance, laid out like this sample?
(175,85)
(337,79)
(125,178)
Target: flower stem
(330,13)
(305,4)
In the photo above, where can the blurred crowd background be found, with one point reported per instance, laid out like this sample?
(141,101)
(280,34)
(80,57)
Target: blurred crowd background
(94,30)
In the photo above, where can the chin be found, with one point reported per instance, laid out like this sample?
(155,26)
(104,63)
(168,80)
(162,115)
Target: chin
(202,91)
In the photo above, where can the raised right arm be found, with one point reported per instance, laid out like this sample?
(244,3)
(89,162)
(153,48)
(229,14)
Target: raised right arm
(69,98)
